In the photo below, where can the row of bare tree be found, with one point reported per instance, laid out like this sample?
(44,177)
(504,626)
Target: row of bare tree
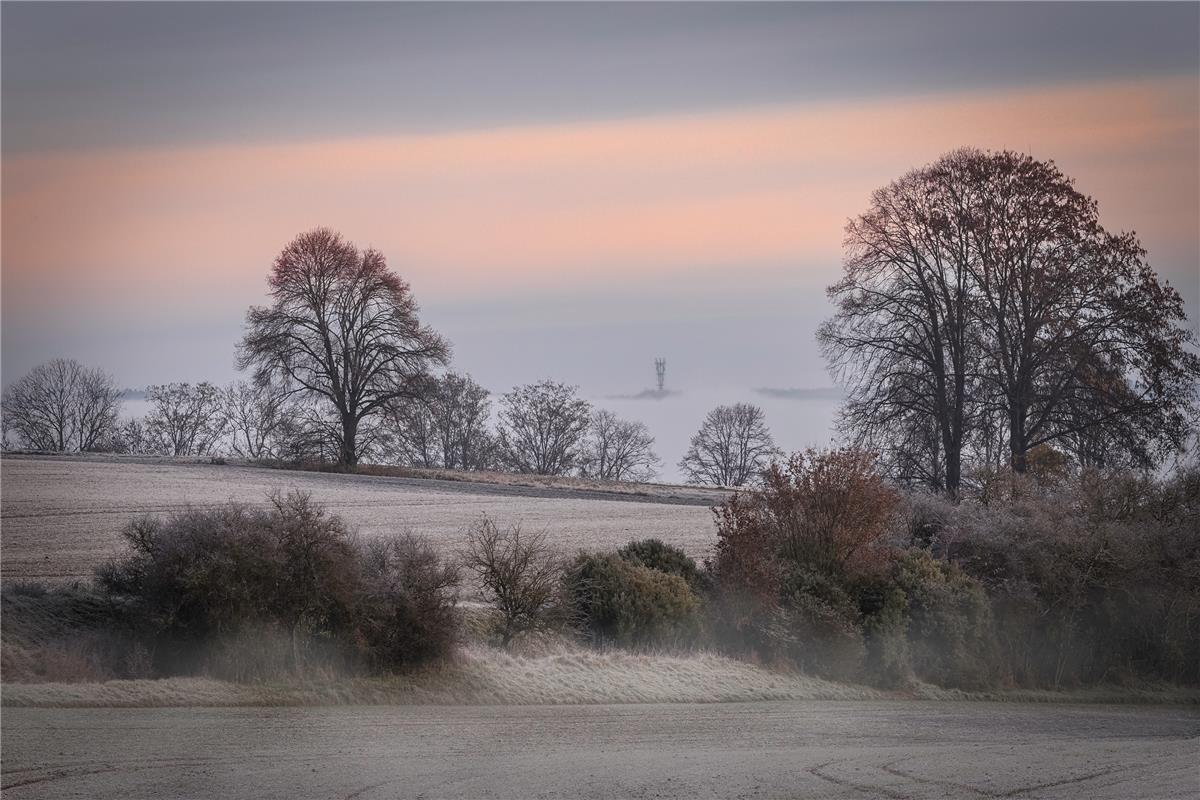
(542,428)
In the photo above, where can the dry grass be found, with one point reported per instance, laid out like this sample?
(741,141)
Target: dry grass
(50,660)
(62,634)
(487,676)
(478,676)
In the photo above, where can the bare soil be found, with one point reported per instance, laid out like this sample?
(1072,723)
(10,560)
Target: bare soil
(809,749)
(61,517)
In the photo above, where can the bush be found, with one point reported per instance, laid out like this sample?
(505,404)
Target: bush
(656,554)
(785,556)
(623,604)
(405,615)
(824,629)
(245,592)
(951,639)
(1094,579)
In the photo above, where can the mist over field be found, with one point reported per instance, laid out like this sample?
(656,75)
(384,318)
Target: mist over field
(797,422)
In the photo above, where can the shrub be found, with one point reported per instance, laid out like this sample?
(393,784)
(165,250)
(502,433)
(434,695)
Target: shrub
(204,575)
(1093,579)
(887,658)
(520,576)
(405,615)
(830,508)
(951,639)
(245,592)
(620,603)
(746,576)
(825,633)
(656,554)
(781,552)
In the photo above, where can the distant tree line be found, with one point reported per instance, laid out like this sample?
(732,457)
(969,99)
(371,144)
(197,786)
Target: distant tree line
(343,370)
(542,428)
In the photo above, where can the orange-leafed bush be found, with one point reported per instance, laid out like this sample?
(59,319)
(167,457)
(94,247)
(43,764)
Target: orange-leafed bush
(820,513)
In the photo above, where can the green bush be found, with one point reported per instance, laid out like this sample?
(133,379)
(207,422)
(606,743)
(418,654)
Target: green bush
(824,633)
(888,659)
(619,603)
(951,637)
(657,554)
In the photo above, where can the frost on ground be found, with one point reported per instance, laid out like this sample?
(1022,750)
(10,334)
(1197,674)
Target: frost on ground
(62,517)
(810,749)
(478,676)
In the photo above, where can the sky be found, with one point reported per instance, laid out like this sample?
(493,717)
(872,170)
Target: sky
(571,190)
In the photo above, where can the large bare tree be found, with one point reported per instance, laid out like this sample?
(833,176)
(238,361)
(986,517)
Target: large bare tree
(618,449)
(900,342)
(983,300)
(542,428)
(1082,344)
(342,328)
(732,448)
(63,405)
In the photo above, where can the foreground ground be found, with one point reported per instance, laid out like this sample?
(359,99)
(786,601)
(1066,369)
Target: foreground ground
(63,516)
(808,749)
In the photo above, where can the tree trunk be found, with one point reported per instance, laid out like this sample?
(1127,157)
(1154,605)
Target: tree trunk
(1016,442)
(348,456)
(953,472)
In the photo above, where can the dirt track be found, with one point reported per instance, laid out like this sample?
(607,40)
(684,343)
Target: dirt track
(62,517)
(793,750)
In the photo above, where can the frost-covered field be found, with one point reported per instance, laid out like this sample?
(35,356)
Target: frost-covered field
(62,517)
(807,749)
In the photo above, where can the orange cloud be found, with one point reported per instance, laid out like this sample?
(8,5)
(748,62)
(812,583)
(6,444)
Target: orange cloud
(583,203)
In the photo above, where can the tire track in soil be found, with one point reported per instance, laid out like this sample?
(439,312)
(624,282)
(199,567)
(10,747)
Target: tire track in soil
(865,788)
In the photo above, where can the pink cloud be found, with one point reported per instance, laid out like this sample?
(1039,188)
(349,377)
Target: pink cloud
(575,204)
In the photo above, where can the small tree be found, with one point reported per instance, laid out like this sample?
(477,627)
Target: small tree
(343,330)
(62,405)
(461,411)
(520,575)
(132,438)
(411,432)
(542,427)
(184,419)
(732,447)
(444,425)
(618,450)
(254,416)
